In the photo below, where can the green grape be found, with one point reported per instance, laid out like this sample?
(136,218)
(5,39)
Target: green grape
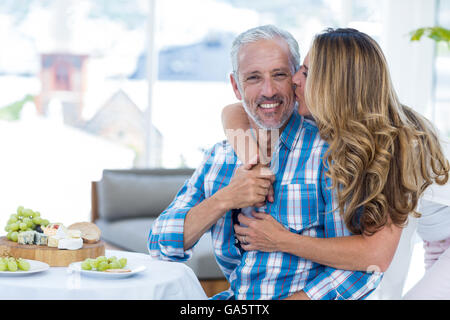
(12,265)
(85,265)
(111,259)
(3,265)
(102,266)
(14,236)
(123,262)
(101,259)
(28,222)
(14,226)
(37,220)
(23,264)
(8,236)
(93,263)
(27,212)
(115,265)
(12,220)
(24,220)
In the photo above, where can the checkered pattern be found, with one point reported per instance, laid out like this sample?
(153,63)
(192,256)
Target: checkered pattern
(304,204)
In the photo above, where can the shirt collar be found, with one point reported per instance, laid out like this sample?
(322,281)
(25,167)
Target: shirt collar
(291,132)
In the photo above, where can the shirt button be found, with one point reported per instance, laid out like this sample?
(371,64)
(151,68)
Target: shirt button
(241,290)
(247,261)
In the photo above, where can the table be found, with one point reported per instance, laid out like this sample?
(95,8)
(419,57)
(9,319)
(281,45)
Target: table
(161,280)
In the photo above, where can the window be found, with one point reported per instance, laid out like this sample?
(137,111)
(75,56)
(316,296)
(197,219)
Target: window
(441,110)
(194,64)
(68,107)
(365,16)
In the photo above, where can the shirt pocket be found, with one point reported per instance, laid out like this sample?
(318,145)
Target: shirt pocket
(298,206)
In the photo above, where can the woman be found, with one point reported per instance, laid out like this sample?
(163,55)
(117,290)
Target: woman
(380,159)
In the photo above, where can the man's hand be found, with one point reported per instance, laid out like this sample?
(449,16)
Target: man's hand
(249,187)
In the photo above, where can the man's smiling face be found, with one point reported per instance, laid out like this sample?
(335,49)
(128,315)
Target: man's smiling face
(265,82)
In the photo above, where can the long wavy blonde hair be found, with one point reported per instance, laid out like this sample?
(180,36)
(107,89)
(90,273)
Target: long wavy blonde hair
(382,155)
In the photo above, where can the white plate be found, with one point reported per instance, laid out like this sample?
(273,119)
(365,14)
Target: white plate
(135,268)
(35,266)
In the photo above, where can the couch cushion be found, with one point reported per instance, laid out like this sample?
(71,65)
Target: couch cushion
(129,234)
(132,234)
(124,195)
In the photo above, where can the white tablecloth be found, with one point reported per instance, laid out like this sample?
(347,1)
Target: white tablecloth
(160,281)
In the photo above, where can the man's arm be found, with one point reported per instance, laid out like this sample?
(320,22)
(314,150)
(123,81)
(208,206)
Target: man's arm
(248,187)
(165,239)
(190,215)
(200,218)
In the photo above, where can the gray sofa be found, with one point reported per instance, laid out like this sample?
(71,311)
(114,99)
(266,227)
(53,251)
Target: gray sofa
(125,203)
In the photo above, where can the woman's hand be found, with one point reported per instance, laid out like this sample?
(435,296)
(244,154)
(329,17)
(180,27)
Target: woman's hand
(263,232)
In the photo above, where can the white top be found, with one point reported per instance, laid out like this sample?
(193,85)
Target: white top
(438,194)
(434,225)
(160,280)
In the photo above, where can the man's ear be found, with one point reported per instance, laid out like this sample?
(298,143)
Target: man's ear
(235,87)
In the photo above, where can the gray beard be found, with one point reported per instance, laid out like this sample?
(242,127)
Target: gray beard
(261,125)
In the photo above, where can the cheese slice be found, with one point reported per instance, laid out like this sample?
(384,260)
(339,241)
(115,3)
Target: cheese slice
(61,233)
(70,243)
(53,241)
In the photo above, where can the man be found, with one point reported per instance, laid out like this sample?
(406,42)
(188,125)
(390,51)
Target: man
(264,60)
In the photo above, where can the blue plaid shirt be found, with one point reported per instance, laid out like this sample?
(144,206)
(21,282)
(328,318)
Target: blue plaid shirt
(304,204)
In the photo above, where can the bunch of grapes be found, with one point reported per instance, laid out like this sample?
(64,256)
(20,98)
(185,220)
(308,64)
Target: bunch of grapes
(103,263)
(12,264)
(24,220)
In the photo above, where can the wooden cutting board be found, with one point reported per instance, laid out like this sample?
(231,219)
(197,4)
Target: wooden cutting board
(52,256)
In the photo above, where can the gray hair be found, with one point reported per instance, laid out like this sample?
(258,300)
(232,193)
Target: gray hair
(266,32)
